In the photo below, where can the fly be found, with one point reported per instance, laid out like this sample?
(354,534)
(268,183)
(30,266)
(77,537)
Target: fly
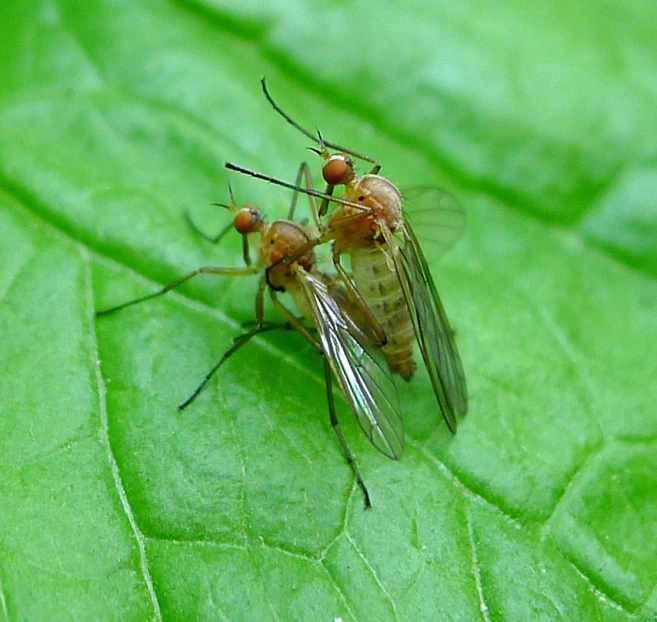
(356,362)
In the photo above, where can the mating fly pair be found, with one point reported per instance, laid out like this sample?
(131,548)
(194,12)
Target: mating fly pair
(364,325)
(390,283)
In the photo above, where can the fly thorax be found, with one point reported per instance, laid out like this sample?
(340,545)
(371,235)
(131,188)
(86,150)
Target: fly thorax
(353,227)
(280,242)
(380,195)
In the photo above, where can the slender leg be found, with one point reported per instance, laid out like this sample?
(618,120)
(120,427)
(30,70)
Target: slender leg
(329,392)
(267,326)
(246,255)
(295,194)
(323,153)
(232,207)
(295,322)
(180,281)
(304,171)
(237,344)
(215,239)
(323,207)
(338,432)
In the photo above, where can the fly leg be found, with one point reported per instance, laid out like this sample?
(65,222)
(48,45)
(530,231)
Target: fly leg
(329,394)
(267,326)
(237,344)
(295,322)
(167,288)
(215,239)
(338,432)
(304,172)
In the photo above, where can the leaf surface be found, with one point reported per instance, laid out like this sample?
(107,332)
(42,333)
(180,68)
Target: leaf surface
(116,117)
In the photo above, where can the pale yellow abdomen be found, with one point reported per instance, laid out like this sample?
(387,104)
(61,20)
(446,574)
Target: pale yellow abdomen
(378,284)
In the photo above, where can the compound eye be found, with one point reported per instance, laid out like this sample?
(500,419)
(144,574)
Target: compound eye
(247,220)
(337,170)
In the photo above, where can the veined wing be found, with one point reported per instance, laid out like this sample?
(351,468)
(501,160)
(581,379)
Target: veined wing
(432,329)
(437,215)
(359,367)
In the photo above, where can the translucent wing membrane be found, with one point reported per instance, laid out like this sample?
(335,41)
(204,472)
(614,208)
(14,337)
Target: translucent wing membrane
(432,330)
(436,215)
(360,369)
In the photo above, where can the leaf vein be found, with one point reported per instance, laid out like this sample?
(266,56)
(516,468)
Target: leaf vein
(598,592)
(3,601)
(374,574)
(114,467)
(483,607)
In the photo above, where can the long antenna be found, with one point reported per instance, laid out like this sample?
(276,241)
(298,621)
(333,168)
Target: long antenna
(315,137)
(310,191)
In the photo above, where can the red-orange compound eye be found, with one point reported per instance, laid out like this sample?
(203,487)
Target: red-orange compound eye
(245,220)
(336,170)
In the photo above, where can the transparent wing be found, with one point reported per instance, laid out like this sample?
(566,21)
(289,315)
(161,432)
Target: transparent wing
(432,330)
(437,215)
(360,369)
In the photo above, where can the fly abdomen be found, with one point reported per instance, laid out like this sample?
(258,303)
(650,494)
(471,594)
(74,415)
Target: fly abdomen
(378,284)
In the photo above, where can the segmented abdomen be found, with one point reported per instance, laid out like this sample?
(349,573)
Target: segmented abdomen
(378,284)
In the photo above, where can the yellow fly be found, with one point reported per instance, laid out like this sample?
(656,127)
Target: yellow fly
(390,273)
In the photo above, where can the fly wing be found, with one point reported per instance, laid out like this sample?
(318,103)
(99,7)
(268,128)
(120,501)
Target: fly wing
(432,330)
(437,214)
(359,367)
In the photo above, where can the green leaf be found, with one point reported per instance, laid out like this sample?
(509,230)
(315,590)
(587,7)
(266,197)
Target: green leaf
(116,117)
